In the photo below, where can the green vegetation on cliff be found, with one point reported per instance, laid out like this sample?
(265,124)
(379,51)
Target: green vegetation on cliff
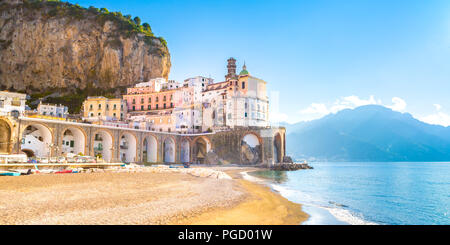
(126,25)
(62,53)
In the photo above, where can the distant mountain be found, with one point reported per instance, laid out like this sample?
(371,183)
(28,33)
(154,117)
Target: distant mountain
(368,133)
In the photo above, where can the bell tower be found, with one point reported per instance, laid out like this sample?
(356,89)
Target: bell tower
(231,69)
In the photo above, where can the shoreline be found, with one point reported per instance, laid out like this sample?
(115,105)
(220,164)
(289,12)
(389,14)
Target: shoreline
(263,206)
(140,197)
(316,215)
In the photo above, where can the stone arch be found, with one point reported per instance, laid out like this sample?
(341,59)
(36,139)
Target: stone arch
(5,136)
(150,149)
(169,148)
(251,148)
(38,138)
(103,144)
(185,150)
(128,147)
(277,148)
(73,140)
(201,145)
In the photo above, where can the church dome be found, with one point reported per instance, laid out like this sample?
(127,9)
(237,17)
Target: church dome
(244,70)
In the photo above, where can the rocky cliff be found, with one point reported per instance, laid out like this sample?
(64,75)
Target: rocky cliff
(56,45)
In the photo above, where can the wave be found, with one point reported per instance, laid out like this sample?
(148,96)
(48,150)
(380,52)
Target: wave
(248,177)
(337,210)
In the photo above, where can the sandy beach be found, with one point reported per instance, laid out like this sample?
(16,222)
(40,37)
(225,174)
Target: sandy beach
(142,198)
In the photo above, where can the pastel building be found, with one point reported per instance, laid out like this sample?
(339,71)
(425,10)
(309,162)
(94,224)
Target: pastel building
(104,109)
(153,102)
(52,110)
(12,103)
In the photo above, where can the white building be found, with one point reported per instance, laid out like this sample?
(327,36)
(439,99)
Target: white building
(12,103)
(240,101)
(53,110)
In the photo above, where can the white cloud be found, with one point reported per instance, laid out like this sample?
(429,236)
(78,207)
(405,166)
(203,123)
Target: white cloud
(318,110)
(438,118)
(437,106)
(398,104)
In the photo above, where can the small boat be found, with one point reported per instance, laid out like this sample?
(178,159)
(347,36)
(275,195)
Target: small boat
(22,171)
(47,171)
(9,174)
(66,171)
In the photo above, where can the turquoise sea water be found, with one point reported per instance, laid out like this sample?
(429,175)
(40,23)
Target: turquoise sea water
(410,193)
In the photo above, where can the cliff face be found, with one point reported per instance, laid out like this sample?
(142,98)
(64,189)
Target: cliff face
(52,46)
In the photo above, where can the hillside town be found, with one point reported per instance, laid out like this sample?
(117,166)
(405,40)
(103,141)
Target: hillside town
(126,129)
(197,104)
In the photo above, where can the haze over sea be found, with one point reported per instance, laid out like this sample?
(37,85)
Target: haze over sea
(395,193)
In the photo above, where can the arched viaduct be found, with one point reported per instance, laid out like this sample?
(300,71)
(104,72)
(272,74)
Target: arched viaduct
(51,138)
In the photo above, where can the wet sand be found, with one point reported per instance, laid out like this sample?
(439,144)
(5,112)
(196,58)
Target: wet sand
(141,198)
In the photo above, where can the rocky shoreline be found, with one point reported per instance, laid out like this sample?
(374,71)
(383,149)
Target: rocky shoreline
(290,166)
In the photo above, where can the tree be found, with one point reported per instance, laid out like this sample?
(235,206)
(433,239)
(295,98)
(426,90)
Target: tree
(93,9)
(128,17)
(104,10)
(137,20)
(147,27)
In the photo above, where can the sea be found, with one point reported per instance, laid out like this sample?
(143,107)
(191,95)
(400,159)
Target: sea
(372,193)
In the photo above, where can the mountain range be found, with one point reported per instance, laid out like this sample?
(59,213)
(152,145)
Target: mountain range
(368,133)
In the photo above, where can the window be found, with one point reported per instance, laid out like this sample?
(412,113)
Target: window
(115,106)
(99,114)
(114,114)
(92,114)
(149,107)
(142,100)
(243,85)
(157,99)
(99,106)
(107,106)
(246,114)
(157,106)
(91,107)
(134,108)
(134,101)
(164,105)
(171,104)
(142,107)
(149,99)
(164,98)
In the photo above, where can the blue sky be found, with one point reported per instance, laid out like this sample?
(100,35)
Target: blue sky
(319,56)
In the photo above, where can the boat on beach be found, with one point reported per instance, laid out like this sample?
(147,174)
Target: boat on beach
(65,171)
(4,173)
(22,171)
